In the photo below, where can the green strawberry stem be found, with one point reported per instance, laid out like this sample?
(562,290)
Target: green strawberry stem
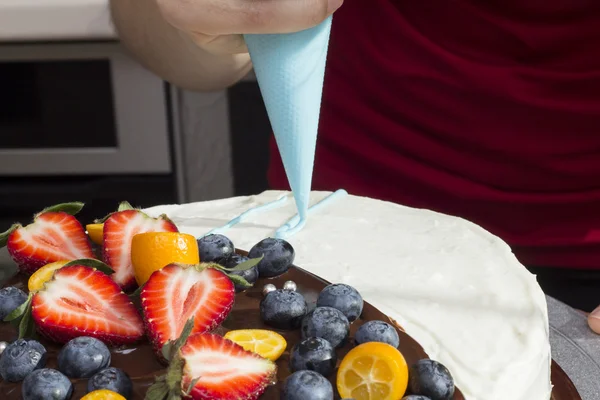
(92,263)
(4,235)
(123,206)
(69,208)
(20,317)
(168,387)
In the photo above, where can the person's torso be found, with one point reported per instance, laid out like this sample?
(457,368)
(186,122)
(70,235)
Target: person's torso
(489,110)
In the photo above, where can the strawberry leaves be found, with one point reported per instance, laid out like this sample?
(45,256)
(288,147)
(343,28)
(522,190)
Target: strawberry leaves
(69,208)
(168,387)
(4,235)
(92,263)
(123,206)
(20,317)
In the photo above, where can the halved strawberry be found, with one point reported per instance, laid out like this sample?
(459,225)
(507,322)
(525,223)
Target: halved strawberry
(177,293)
(205,366)
(119,230)
(82,301)
(54,235)
(224,369)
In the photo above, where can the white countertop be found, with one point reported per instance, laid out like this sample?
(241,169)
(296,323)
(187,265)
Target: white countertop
(49,20)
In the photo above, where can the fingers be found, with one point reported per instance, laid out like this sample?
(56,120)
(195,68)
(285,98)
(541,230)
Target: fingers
(221,17)
(594,320)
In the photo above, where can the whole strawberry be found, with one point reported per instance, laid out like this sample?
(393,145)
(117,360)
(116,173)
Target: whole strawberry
(54,235)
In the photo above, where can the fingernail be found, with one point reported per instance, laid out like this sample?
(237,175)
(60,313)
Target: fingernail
(333,5)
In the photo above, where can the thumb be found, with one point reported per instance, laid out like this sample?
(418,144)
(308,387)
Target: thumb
(221,17)
(594,320)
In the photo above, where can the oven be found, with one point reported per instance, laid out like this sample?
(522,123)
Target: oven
(82,121)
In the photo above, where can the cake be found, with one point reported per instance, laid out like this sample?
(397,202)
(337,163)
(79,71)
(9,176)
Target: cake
(450,285)
(453,286)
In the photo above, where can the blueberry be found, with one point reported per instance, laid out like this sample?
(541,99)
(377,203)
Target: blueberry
(377,331)
(327,323)
(432,379)
(10,298)
(215,248)
(303,385)
(278,256)
(82,357)
(20,358)
(112,379)
(45,384)
(415,397)
(315,354)
(283,309)
(250,275)
(343,297)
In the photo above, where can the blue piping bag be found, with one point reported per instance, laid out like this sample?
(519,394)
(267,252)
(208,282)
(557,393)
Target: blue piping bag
(290,70)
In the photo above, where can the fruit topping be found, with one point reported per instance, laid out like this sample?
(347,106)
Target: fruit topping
(415,397)
(377,331)
(265,343)
(215,248)
(82,357)
(40,383)
(278,256)
(250,275)
(20,358)
(103,394)
(151,251)
(303,385)
(225,370)
(343,297)
(205,366)
(10,298)
(54,235)
(113,379)
(95,232)
(176,293)
(41,276)
(327,323)
(432,379)
(315,354)
(373,371)
(283,309)
(83,301)
(119,230)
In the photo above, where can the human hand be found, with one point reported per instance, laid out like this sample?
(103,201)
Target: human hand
(594,320)
(217,25)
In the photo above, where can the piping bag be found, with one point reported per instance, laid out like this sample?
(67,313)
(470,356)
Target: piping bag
(290,70)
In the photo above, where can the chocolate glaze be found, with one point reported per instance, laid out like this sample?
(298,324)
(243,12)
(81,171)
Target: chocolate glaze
(142,366)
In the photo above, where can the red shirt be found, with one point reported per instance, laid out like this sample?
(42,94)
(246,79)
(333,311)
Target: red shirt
(488,110)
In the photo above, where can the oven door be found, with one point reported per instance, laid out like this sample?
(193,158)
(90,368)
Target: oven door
(80,108)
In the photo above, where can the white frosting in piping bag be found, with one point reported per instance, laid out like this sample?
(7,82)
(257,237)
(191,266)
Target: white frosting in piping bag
(457,289)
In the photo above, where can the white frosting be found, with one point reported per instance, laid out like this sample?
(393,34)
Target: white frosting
(454,287)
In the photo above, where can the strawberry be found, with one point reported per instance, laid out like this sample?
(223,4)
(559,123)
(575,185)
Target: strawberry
(176,293)
(83,301)
(205,366)
(119,229)
(225,369)
(54,235)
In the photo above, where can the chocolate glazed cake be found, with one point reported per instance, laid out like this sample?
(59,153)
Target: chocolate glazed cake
(142,365)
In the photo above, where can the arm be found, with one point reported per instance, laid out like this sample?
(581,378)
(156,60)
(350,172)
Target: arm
(170,53)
